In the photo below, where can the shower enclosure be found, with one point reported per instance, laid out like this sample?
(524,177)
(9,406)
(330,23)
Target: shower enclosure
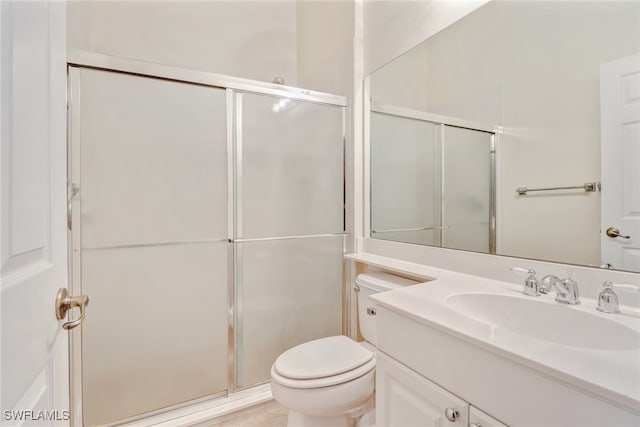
(207,226)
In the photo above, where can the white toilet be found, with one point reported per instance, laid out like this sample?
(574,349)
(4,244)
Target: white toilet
(327,382)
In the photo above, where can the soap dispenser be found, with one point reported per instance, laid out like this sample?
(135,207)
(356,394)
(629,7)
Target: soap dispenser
(608,300)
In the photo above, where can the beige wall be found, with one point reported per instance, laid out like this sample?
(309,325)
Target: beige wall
(390,28)
(249,39)
(325,31)
(309,43)
(395,83)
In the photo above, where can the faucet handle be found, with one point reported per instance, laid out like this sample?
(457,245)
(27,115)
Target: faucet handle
(530,283)
(608,300)
(568,281)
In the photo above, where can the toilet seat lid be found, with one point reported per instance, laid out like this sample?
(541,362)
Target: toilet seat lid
(321,358)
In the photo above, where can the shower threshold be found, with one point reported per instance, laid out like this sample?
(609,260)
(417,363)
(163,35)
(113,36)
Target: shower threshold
(206,411)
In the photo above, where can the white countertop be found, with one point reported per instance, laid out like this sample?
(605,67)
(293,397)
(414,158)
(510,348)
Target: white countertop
(611,374)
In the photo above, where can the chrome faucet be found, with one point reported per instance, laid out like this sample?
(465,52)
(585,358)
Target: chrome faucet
(566,289)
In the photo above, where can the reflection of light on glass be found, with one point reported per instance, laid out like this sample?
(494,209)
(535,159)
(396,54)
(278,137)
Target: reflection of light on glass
(280,104)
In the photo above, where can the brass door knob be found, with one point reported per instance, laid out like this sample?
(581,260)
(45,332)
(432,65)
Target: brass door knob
(64,303)
(614,232)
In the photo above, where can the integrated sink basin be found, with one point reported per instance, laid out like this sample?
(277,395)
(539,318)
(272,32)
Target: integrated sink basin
(455,325)
(546,320)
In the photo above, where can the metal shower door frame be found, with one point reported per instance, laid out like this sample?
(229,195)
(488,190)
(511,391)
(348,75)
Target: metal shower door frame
(234,87)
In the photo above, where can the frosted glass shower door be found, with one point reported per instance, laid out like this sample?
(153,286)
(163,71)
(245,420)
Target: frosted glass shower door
(289,225)
(467,189)
(149,157)
(405,179)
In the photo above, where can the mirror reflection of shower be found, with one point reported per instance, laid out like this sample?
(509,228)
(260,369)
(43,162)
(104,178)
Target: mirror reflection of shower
(432,179)
(553,132)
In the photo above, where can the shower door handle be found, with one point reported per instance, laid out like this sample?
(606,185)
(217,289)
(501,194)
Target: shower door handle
(73,189)
(64,303)
(69,213)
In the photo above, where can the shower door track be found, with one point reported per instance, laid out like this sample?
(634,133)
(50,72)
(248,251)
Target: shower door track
(98,61)
(204,408)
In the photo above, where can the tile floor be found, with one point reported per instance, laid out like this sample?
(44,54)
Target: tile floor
(270,414)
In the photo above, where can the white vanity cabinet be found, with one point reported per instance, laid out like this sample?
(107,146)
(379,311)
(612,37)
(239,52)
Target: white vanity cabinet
(405,398)
(418,360)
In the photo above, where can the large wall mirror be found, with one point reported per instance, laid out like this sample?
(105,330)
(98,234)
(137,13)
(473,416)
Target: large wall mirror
(514,131)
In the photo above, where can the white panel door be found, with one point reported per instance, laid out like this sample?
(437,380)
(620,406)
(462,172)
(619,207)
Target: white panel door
(405,398)
(34,373)
(620,133)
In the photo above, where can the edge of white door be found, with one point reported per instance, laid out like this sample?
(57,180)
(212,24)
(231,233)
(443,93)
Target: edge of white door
(34,373)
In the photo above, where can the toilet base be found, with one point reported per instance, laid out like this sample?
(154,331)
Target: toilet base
(350,419)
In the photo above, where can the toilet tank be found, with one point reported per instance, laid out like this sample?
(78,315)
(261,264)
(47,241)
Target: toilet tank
(369,284)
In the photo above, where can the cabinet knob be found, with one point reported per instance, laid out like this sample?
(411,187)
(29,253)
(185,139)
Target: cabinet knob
(452,414)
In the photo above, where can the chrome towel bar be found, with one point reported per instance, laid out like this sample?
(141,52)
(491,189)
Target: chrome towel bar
(587,186)
(397,230)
